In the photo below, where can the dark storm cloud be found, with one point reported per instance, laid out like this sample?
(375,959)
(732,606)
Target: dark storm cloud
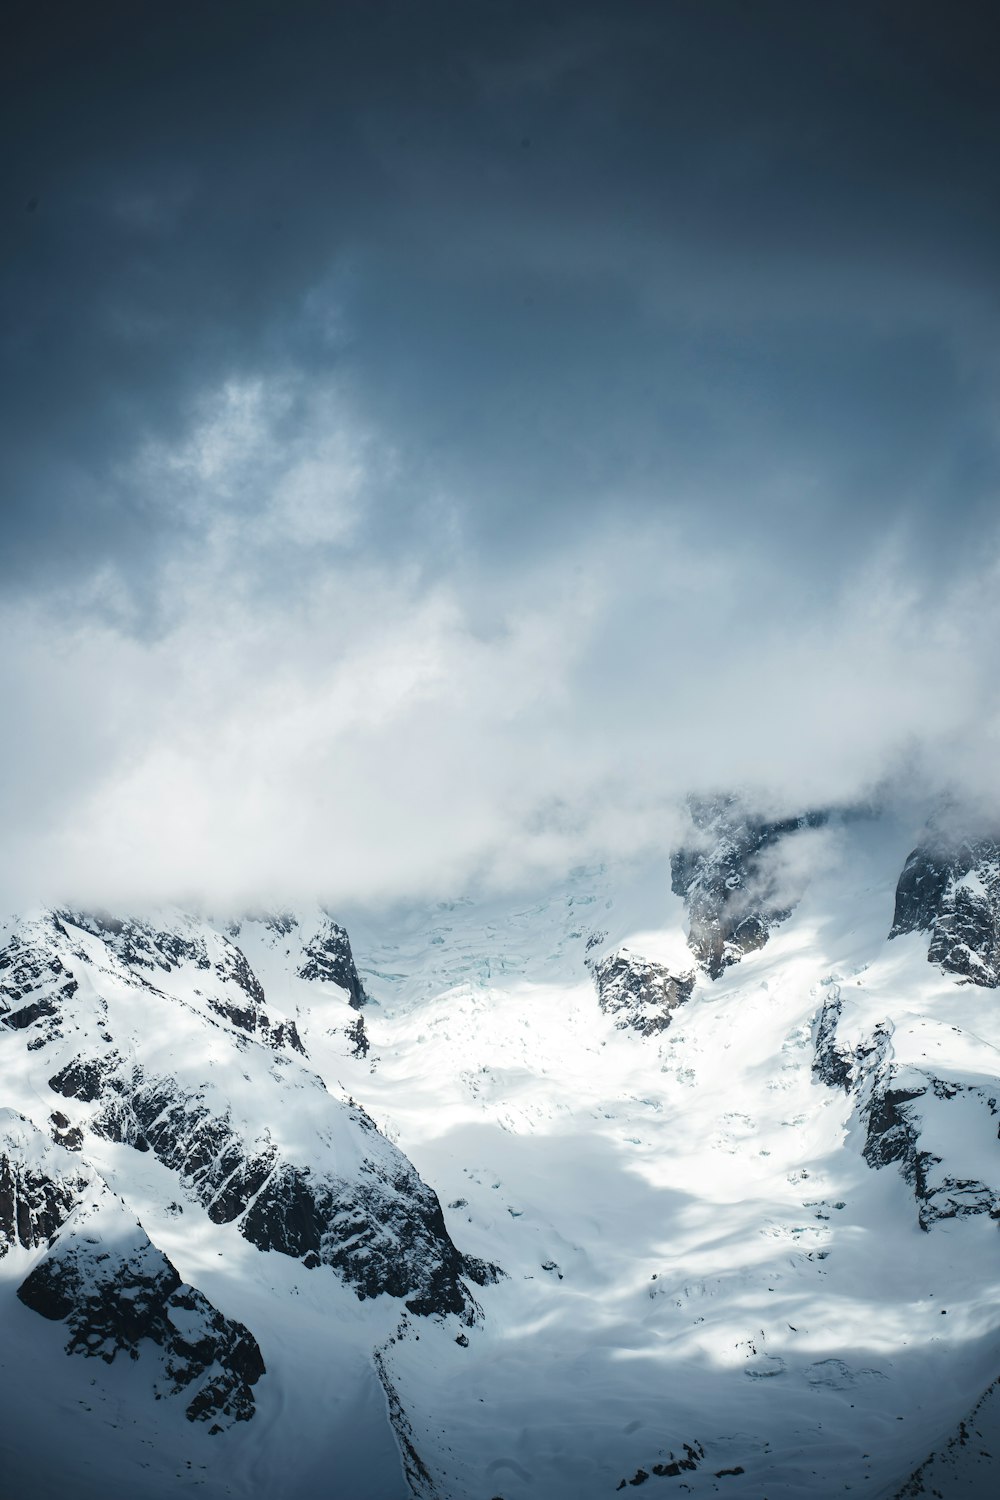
(440,436)
(734,259)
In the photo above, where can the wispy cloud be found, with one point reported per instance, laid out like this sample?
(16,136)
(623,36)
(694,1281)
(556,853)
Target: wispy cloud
(440,446)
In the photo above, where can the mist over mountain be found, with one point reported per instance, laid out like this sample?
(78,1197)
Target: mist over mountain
(440,438)
(498,602)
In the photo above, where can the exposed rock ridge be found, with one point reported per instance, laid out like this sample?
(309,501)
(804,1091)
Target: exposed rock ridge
(358,1206)
(100,1274)
(143,948)
(327,956)
(35,983)
(114,1290)
(898,1131)
(382,1230)
(962,1464)
(418,1476)
(639,993)
(733,899)
(952,891)
(855,1069)
(899,1108)
(39,1186)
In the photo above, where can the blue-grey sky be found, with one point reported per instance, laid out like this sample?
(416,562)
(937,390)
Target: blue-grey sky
(438,434)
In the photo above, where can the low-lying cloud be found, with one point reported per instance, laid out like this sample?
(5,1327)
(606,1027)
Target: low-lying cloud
(291,716)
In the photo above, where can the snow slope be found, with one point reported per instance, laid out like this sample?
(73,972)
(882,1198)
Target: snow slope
(753,1252)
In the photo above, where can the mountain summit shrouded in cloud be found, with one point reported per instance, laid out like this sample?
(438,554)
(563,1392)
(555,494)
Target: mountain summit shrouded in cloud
(439,437)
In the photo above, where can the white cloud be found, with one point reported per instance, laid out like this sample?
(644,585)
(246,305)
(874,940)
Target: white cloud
(276,462)
(356,731)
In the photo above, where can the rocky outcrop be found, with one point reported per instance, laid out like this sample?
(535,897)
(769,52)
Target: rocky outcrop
(35,984)
(382,1228)
(83,1078)
(893,1133)
(252,1018)
(39,1186)
(116,1293)
(354,1203)
(351,1201)
(952,892)
(418,1476)
(64,1132)
(358,1037)
(907,1113)
(734,899)
(327,956)
(140,945)
(227,983)
(690,1457)
(898,1132)
(638,993)
(832,1063)
(855,1069)
(101,1275)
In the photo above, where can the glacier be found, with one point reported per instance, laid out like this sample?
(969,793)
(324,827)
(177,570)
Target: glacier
(680,1174)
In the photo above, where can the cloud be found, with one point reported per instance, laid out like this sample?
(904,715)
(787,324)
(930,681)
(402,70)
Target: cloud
(438,443)
(371,728)
(642,259)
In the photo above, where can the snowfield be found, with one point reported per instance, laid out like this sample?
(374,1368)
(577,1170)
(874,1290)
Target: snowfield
(738,1257)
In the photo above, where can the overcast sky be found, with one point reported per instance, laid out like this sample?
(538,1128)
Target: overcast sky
(438,436)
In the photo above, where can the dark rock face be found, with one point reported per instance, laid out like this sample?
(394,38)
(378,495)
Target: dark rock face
(482,1272)
(34,1203)
(899,1109)
(138,944)
(208,1154)
(328,956)
(64,1133)
(19,1020)
(372,1220)
(856,1069)
(896,1133)
(358,1037)
(832,1064)
(954,894)
(379,1241)
(83,1078)
(732,900)
(892,1134)
(383,1231)
(639,993)
(143,949)
(113,1297)
(255,1021)
(34,987)
(103,1277)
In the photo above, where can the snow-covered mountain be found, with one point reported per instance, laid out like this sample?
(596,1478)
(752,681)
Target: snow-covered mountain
(683,1174)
